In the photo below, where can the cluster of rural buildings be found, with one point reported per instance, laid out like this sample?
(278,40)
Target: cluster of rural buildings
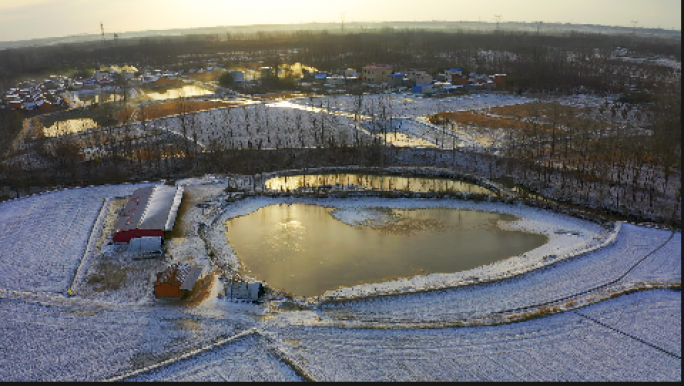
(143,223)
(418,81)
(36,95)
(63,91)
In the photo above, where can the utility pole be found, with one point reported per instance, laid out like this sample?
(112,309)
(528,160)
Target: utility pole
(102,40)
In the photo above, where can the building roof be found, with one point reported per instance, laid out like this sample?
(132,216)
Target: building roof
(133,211)
(375,66)
(153,207)
(161,209)
(181,275)
(191,278)
(145,245)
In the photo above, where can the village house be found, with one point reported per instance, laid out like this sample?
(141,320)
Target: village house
(416,77)
(424,88)
(375,73)
(176,281)
(128,72)
(452,74)
(396,80)
(350,73)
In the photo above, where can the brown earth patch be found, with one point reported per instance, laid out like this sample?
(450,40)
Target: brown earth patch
(108,276)
(528,110)
(171,107)
(481,121)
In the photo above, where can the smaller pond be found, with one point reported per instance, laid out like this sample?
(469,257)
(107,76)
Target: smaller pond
(375,182)
(175,92)
(305,250)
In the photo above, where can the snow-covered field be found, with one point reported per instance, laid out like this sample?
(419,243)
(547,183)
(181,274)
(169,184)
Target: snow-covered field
(406,334)
(44,236)
(409,105)
(309,122)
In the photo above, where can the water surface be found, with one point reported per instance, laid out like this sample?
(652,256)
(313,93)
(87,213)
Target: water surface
(375,182)
(304,250)
(176,92)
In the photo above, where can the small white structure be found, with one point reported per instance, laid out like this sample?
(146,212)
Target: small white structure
(350,73)
(335,80)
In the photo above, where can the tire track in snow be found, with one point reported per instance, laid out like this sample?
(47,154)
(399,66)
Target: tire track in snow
(184,356)
(630,336)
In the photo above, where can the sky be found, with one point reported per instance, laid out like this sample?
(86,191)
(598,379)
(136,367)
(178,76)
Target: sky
(29,19)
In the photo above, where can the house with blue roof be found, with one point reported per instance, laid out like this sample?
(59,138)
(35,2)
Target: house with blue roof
(451,73)
(423,88)
(396,80)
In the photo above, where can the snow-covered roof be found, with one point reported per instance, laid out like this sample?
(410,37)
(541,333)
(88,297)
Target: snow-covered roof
(190,278)
(162,207)
(134,209)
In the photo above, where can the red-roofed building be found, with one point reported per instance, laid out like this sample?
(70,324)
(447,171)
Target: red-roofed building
(148,213)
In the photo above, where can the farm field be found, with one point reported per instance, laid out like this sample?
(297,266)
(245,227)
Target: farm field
(457,330)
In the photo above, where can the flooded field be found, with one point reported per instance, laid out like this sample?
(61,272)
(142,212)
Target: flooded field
(304,250)
(375,182)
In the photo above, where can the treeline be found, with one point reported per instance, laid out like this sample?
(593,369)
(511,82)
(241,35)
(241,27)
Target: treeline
(534,61)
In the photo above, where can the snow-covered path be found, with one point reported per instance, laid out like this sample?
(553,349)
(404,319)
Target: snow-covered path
(564,347)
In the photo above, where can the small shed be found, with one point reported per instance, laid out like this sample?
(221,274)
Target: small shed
(244,291)
(146,246)
(176,281)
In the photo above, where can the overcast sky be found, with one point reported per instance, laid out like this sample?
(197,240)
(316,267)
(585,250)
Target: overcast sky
(28,19)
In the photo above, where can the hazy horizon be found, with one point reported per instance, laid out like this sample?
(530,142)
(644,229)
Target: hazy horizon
(33,19)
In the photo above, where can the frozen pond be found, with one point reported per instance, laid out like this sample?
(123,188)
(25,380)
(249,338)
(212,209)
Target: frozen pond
(375,182)
(304,250)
